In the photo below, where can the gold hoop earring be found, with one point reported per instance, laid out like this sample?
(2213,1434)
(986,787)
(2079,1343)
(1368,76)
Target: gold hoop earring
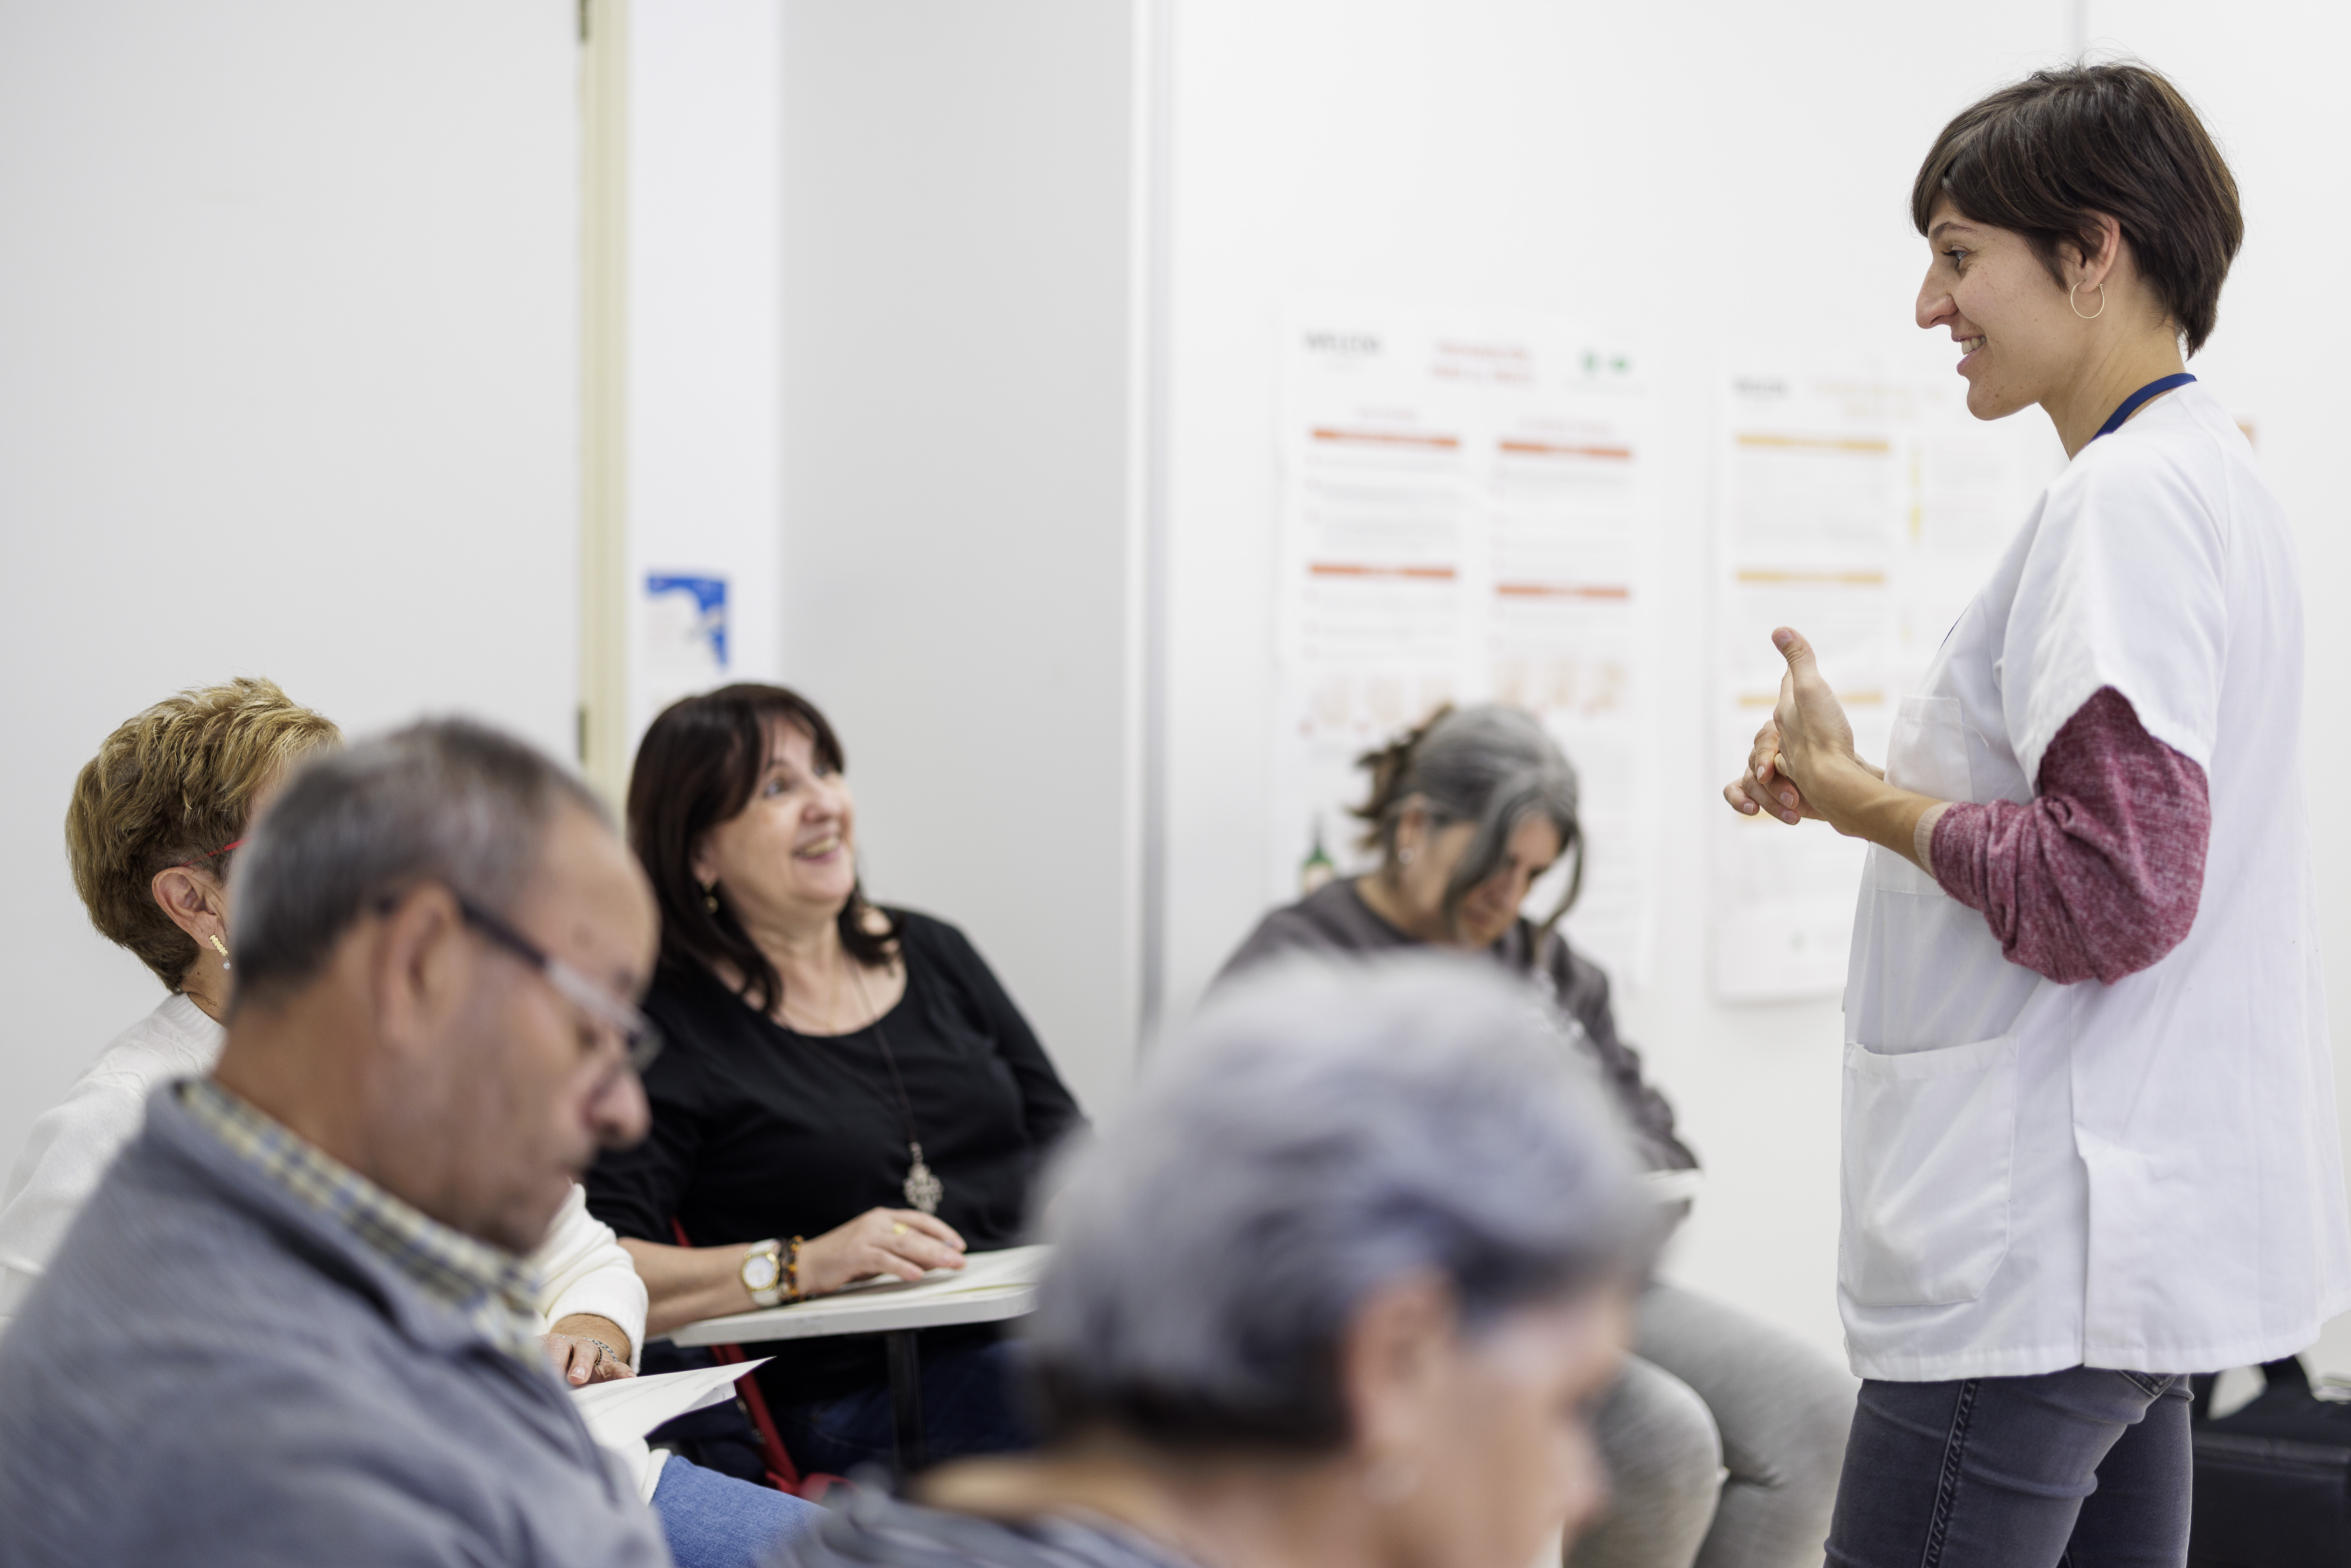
(221,950)
(2078,304)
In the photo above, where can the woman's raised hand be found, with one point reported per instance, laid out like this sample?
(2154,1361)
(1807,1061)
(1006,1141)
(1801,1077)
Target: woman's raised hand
(1763,786)
(1807,732)
(903,1243)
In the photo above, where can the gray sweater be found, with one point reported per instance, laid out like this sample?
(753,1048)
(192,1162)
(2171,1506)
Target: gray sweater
(868,1530)
(1334,918)
(211,1372)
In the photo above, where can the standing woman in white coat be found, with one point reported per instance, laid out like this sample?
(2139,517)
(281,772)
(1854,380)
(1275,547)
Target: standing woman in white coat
(2090,1142)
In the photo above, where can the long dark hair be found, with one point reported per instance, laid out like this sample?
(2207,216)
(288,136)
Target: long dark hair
(697,768)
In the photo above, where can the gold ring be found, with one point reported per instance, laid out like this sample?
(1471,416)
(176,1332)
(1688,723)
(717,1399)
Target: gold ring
(897,1230)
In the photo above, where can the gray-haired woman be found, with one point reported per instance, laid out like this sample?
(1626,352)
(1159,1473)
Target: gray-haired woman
(1725,1436)
(1300,1308)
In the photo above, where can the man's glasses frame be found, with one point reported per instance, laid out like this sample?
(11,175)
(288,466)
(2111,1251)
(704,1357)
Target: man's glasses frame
(641,1042)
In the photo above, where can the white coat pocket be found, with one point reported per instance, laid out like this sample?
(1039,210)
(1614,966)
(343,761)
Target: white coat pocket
(1928,754)
(1929,1137)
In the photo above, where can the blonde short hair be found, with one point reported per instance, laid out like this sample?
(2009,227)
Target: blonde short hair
(172,786)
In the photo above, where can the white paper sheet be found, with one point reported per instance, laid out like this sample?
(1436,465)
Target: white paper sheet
(1465,516)
(995,1270)
(620,1414)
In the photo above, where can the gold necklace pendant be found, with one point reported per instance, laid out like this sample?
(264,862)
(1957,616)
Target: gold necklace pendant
(923,1188)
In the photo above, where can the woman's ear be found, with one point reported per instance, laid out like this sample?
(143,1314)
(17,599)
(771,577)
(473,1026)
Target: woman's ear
(2092,271)
(697,861)
(1411,830)
(1394,1362)
(193,900)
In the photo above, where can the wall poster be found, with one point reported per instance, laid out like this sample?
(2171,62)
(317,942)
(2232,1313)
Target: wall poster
(1465,516)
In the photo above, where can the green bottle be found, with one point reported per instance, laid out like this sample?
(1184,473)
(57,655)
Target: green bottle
(1316,870)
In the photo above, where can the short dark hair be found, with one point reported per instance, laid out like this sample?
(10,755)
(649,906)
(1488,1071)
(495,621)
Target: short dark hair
(445,800)
(2045,156)
(697,765)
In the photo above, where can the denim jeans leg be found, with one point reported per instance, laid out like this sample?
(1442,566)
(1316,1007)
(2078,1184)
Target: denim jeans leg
(2138,1516)
(712,1521)
(967,1408)
(1994,1472)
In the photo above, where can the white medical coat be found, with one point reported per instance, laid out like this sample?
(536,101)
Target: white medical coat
(2146,1175)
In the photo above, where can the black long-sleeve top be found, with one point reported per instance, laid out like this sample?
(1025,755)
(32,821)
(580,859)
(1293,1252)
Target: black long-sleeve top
(1334,918)
(761,1130)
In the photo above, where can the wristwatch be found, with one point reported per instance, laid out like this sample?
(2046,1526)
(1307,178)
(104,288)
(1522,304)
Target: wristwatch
(763,1272)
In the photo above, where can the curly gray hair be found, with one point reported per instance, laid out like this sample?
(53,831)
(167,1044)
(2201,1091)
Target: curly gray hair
(1317,1132)
(1487,764)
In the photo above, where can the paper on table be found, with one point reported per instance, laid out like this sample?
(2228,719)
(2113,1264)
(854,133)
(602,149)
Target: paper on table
(980,1271)
(632,1406)
(620,1414)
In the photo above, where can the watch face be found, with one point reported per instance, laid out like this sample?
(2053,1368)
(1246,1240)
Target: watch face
(759,1272)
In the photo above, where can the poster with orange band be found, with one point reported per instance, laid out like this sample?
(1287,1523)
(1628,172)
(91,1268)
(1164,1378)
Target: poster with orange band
(1465,516)
(1864,509)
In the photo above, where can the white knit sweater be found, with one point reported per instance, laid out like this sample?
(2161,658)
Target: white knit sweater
(581,1267)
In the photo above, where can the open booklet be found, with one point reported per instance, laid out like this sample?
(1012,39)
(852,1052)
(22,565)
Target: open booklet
(621,1413)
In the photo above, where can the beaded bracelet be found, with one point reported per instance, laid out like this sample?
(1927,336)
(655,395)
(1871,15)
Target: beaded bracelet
(792,1271)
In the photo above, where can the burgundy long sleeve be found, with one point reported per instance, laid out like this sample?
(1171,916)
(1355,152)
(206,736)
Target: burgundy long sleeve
(2097,876)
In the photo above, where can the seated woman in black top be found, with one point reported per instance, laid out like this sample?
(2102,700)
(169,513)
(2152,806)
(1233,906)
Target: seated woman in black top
(835,1072)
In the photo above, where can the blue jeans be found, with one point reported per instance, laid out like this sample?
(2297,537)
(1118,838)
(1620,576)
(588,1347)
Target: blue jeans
(967,1408)
(712,1521)
(2080,1469)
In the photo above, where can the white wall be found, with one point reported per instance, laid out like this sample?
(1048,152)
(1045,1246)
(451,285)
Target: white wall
(706,360)
(287,387)
(959,526)
(1721,180)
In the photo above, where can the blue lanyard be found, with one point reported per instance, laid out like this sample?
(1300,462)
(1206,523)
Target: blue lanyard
(2130,404)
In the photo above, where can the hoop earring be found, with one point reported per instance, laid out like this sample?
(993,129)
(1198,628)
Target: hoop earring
(1404,855)
(2078,304)
(221,950)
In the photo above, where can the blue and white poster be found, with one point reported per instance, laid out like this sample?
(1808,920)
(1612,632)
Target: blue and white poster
(685,631)
(684,639)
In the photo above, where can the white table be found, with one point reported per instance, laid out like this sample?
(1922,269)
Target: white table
(991,1287)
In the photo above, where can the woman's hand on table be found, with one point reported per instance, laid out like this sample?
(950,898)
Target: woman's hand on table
(905,1243)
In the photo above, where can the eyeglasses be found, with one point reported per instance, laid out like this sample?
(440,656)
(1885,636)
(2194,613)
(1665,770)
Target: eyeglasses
(640,1042)
(640,1039)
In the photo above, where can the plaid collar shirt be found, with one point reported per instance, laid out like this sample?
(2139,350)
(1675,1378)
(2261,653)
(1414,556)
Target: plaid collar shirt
(490,1287)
